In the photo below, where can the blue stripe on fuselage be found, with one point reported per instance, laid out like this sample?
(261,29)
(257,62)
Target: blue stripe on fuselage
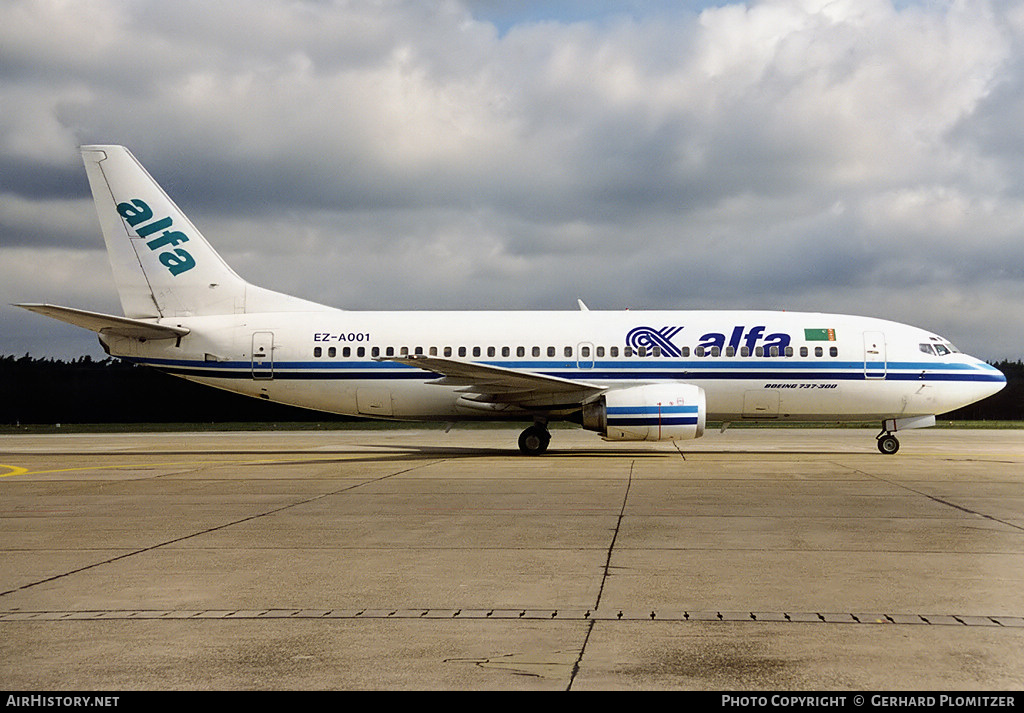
(765,369)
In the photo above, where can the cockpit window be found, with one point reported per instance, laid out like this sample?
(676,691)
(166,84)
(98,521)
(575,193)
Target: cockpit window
(938,348)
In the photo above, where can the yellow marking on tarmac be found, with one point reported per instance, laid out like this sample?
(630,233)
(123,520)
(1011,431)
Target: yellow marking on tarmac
(15,470)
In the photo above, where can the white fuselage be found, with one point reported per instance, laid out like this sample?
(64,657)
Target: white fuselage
(751,364)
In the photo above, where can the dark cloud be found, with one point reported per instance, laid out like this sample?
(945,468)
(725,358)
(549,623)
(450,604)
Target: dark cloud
(850,155)
(24,177)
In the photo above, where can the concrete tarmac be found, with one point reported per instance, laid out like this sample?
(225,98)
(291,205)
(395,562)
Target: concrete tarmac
(776,559)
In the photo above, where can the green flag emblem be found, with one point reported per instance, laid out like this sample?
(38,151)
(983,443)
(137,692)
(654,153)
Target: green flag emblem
(820,335)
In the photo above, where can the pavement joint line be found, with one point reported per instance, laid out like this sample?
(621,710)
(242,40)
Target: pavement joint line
(615,534)
(937,499)
(608,614)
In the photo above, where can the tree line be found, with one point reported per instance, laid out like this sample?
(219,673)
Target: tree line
(84,390)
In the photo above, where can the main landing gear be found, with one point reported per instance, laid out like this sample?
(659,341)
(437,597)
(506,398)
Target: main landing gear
(534,440)
(887,443)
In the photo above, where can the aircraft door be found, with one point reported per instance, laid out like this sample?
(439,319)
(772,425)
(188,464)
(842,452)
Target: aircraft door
(874,355)
(585,355)
(263,355)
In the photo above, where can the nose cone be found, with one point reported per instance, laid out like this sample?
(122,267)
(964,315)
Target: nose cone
(987,380)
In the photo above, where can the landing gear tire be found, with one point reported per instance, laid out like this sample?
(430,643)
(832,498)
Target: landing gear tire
(888,444)
(534,440)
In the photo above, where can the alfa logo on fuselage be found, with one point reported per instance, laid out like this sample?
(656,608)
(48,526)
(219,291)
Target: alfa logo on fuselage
(648,338)
(138,214)
(739,336)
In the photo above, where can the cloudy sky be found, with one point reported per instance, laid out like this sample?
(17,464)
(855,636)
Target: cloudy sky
(855,156)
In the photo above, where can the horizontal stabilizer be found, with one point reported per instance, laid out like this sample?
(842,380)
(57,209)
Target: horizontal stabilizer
(108,323)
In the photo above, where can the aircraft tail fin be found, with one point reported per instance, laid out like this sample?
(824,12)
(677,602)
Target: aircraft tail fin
(162,264)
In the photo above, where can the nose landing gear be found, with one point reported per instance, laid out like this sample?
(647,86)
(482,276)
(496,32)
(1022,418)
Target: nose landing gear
(887,443)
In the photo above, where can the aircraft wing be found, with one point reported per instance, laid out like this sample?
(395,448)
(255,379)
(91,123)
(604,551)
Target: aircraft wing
(486,383)
(107,323)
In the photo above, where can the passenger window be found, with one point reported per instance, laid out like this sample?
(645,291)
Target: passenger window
(568,351)
(818,352)
(613,351)
(318,352)
(642,351)
(404,351)
(346,352)
(773,351)
(744,351)
(685,351)
(536,351)
(730,351)
(433,351)
(476,351)
(361,351)
(789,351)
(375,352)
(462,351)
(716,351)
(803,351)
(390,351)
(584,351)
(520,351)
(656,351)
(332,352)
(600,351)
(551,351)
(699,351)
(490,351)
(505,351)
(759,351)
(833,351)
(627,351)
(447,351)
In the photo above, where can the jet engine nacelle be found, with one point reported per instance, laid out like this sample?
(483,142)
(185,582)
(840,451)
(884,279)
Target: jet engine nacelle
(653,412)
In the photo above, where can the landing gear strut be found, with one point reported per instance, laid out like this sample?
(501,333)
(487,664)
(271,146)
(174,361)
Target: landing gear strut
(534,440)
(887,443)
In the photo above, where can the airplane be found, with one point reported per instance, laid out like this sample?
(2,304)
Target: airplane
(626,375)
